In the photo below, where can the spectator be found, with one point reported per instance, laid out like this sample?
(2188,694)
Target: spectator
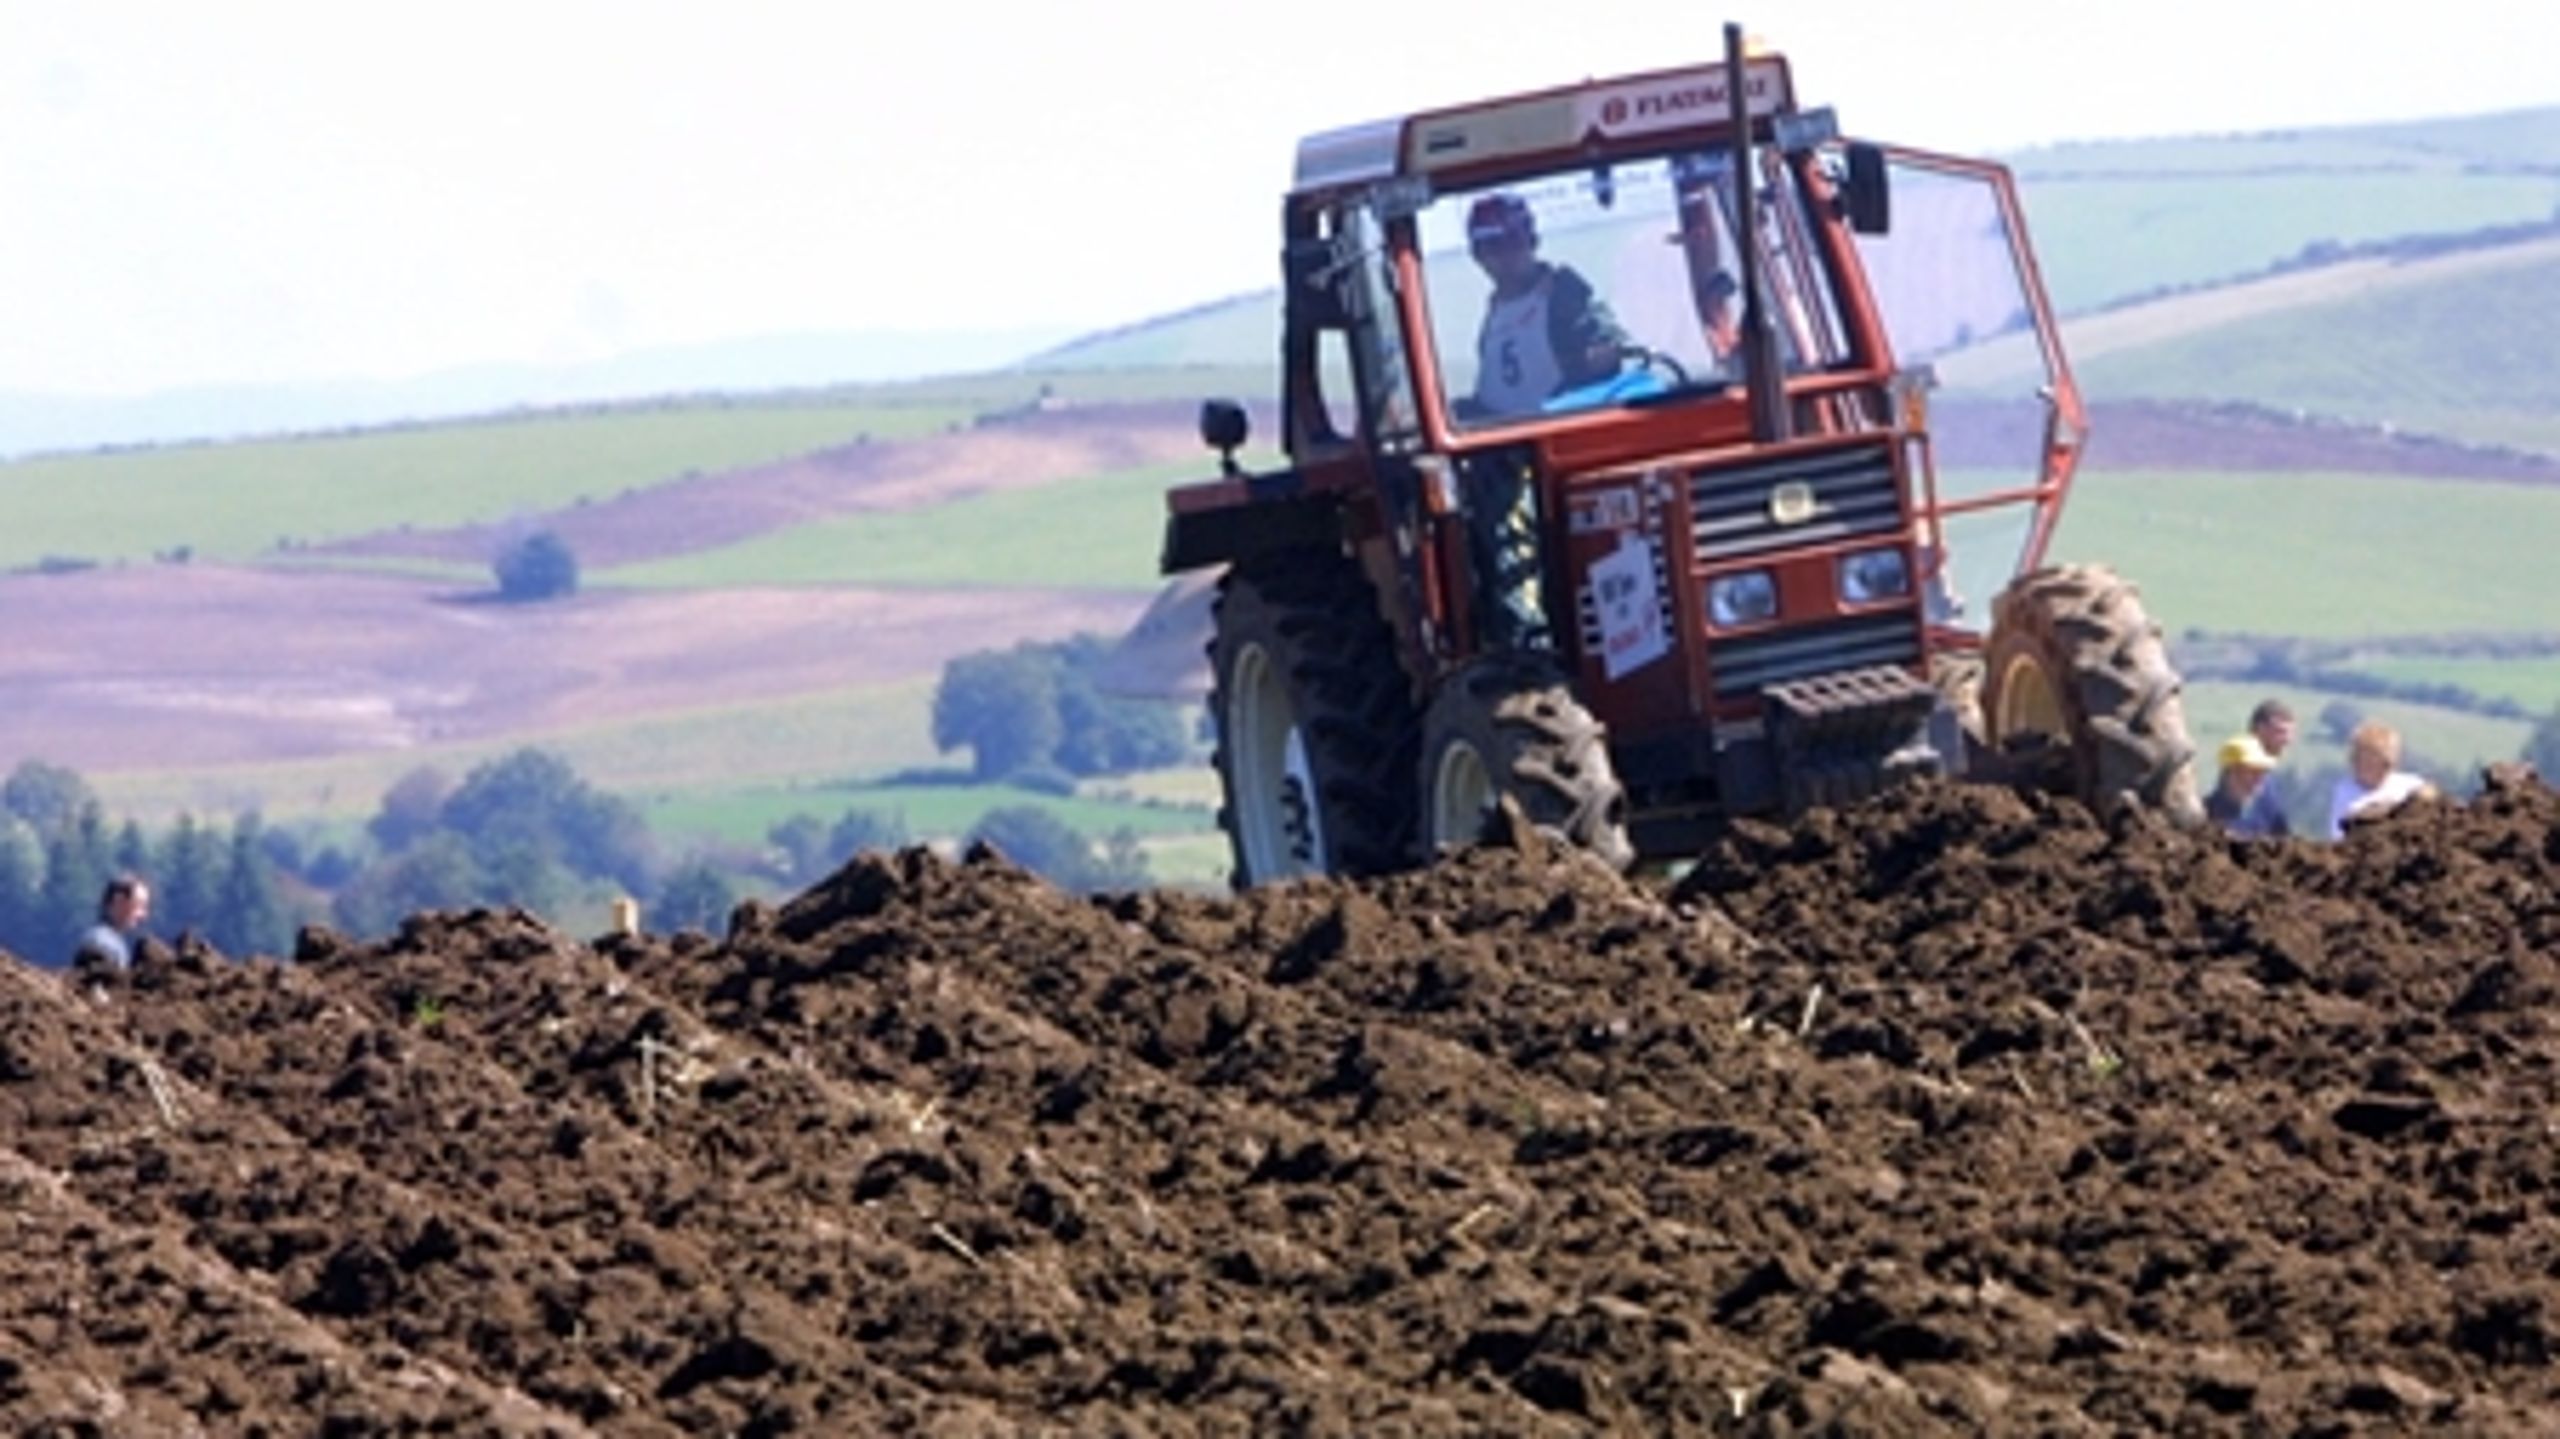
(2374,782)
(2242,802)
(2272,724)
(122,908)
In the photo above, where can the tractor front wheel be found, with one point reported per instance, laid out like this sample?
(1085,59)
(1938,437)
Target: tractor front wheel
(2077,682)
(1316,734)
(1510,726)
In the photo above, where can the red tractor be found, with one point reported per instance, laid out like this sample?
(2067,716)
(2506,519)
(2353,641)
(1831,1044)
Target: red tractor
(1615,489)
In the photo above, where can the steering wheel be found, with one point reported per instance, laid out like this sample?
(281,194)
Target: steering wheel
(1652,359)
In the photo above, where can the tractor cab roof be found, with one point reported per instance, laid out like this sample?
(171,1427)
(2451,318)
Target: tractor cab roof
(1597,116)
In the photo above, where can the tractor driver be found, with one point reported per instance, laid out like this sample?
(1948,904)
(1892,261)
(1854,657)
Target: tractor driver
(1545,331)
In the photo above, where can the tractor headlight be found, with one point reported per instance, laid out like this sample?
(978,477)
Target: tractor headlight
(1742,599)
(1872,575)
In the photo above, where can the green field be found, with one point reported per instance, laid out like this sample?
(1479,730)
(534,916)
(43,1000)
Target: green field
(1214,334)
(2320,554)
(2340,150)
(233,501)
(2472,142)
(2103,240)
(742,814)
(2428,357)
(2532,683)
(807,740)
(1099,531)
(1082,380)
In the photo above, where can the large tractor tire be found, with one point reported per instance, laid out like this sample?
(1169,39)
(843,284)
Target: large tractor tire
(2077,681)
(1316,733)
(1509,727)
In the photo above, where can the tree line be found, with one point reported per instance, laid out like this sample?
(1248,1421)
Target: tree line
(525,829)
(57,852)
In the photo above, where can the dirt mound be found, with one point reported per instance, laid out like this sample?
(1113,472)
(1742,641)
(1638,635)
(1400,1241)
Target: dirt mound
(1956,1113)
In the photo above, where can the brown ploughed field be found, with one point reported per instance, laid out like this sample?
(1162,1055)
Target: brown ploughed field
(1955,1113)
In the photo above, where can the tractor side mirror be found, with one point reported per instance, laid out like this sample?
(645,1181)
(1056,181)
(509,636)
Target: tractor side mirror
(1223,427)
(1864,192)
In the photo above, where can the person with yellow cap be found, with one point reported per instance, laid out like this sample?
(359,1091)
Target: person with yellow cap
(2242,802)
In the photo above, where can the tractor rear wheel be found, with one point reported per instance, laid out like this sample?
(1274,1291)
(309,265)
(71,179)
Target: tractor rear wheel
(1509,726)
(1316,733)
(2076,676)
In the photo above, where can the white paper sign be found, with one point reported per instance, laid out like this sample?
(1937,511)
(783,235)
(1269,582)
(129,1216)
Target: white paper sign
(1628,597)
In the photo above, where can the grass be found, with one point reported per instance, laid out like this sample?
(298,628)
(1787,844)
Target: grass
(1097,381)
(742,815)
(2429,356)
(1194,785)
(2330,555)
(234,501)
(2103,240)
(1190,861)
(1102,532)
(2532,683)
(804,740)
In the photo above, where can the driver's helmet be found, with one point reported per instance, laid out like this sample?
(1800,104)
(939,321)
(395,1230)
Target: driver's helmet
(1500,217)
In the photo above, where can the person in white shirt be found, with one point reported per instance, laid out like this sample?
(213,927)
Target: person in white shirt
(2374,781)
(1545,330)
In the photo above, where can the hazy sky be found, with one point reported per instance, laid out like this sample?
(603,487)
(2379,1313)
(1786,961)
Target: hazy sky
(228,190)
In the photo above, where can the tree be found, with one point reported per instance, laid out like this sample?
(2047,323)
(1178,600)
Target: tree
(47,796)
(188,884)
(411,809)
(132,854)
(532,801)
(2542,748)
(1123,865)
(538,567)
(696,897)
(67,903)
(21,889)
(802,842)
(861,829)
(436,873)
(1002,704)
(1048,846)
(1036,705)
(1106,734)
(249,917)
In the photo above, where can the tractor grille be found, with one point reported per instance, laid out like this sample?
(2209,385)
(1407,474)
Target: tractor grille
(1853,494)
(1752,663)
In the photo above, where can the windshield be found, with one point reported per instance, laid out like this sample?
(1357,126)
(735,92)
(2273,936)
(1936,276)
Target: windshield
(1612,284)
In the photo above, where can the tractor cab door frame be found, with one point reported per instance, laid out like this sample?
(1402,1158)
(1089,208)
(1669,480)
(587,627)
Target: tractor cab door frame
(1355,426)
(1965,311)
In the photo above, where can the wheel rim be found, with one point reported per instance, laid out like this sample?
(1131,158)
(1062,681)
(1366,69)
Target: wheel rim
(2029,703)
(1279,830)
(1461,796)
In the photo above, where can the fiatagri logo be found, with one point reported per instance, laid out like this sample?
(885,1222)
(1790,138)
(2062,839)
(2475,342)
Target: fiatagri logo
(1687,102)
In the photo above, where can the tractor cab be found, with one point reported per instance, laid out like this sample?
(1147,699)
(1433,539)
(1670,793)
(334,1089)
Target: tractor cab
(1609,412)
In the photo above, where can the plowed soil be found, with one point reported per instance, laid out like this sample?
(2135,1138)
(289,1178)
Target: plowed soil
(1957,1113)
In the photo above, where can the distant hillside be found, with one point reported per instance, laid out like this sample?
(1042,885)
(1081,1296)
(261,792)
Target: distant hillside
(40,423)
(2460,349)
